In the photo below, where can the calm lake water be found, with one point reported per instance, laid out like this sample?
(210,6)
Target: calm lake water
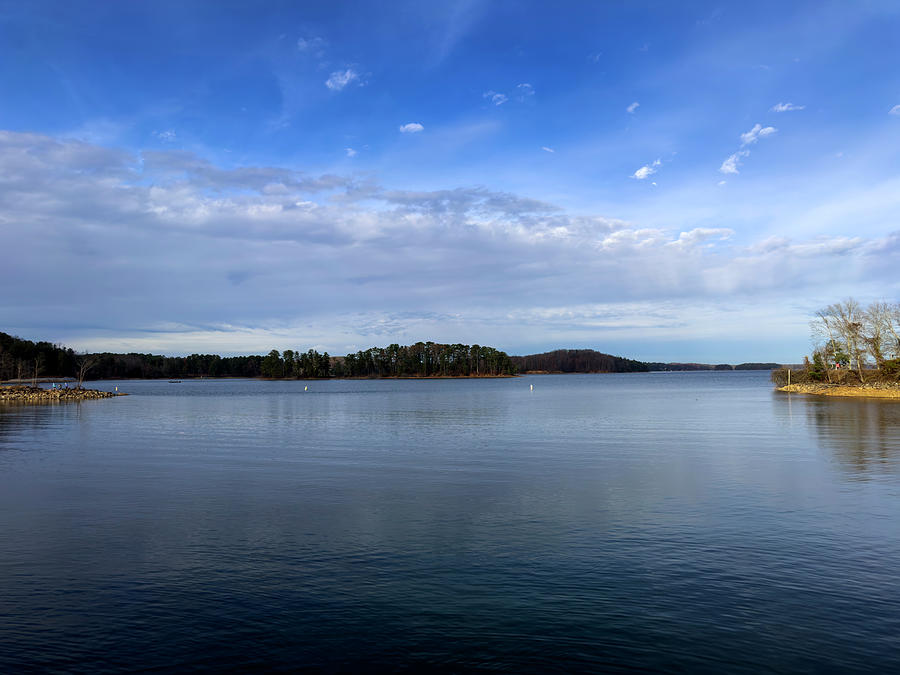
(670,521)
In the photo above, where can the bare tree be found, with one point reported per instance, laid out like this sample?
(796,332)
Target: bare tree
(38,367)
(824,334)
(846,319)
(85,362)
(879,331)
(892,323)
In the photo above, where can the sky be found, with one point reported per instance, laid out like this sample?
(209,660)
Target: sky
(664,181)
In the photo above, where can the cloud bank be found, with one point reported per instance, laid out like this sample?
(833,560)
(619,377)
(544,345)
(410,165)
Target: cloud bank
(168,250)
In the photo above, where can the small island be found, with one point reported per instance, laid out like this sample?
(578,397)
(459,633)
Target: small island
(857,353)
(33,394)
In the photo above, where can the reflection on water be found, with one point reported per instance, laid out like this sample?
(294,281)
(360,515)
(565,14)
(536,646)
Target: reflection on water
(690,522)
(862,434)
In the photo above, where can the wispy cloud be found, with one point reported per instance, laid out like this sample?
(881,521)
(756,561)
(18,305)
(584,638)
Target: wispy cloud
(758,131)
(786,107)
(731,164)
(495,97)
(699,236)
(895,110)
(312,45)
(341,78)
(546,149)
(350,152)
(524,92)
(166,136)
(411,128)
(634,106)
(647,170)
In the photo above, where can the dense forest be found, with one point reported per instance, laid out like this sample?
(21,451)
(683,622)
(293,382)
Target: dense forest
(23,359)
(426,359)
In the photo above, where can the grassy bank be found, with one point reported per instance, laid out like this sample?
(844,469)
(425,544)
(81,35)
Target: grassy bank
(859,390)
(872,383)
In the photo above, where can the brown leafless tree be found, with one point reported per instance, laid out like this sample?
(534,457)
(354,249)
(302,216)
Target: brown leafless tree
(85,362)
(846,319)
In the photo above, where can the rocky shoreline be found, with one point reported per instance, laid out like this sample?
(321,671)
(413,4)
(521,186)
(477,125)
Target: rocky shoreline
(874,390)
(25,394)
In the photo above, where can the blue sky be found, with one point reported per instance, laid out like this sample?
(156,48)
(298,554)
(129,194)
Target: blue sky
(665,181)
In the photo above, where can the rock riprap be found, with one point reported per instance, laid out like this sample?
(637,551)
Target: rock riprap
(24,394)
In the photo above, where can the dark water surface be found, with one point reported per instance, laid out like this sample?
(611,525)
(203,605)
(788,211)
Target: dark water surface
(673,521)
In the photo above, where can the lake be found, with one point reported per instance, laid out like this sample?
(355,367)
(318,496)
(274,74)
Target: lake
(662,521)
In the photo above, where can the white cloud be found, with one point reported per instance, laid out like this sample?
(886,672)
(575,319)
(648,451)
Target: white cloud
(646,171)
(758,131)
(495,97)
(312,45)
(700,235)
(166,136)
(895,110)
(411,128)
(266,231)
(721,182)
(731,164)
(341,78)
(350,152)
(786,107)
(525,91)
(634,106)
(546,149)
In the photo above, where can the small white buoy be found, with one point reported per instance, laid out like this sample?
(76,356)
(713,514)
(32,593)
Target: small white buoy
(532,387)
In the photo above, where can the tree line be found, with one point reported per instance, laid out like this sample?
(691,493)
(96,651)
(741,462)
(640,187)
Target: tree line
(426,359)
(23,359)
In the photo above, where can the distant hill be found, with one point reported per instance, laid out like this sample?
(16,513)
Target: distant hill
(577,361)
(591,361)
